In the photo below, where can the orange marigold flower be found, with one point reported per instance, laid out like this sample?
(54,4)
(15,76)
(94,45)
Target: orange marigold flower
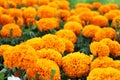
(102,62)
(4,48)
(53,4)
(110,15)
(64,14)
(35,43)
(76,64)
(53,42)
(116,22)
(44,67)
(45,24)
(100,21)
(113,6)
(30,21)
(90,30)
(6,19)
(104,74)
(96,5)
(104,9)
(20,56)
(29,12)
(46,11)
(69,46)
(43,2)
(116,64)
(74,26)
(99,49)
(20,21)
(50,54)
(79,5)
(29,2)
(11,28)
(67,34)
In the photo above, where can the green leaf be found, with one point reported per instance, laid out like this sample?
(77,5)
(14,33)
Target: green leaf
(52,73)
(1,76)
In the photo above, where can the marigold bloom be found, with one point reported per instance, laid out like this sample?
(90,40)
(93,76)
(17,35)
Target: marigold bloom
(74,26)
(99,49)
(11,28)
(113,6)
(45,24)
(6,19)
(67,34)
(102,62)
(116,22)
(79,5)
(4,48)
(46,12)
(76,64)
(96,5)
(29,2)
(20,56)
(116,64)
(50,54)
(104,74)
(29,12)
(99,21)
(30,21)
(35,43)
(90,30)
(20,21)
(43,2)
(69,46)
(53,4)
(110,15)
(43,67)
(53,42)
(104,9)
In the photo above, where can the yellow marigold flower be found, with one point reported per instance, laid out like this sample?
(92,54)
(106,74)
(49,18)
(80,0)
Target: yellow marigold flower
(63,4)
(69,46)
(102,62)
(90,30)
(6,30)
(105,33)
(18,2)
(53,4)
(11,4)
(113,6)
(76,64)
(104,74)
(45,24)
(67,34)
(29,2)
(46,11)
(6,19)
(100,21)
(96,5)
(74,26)
(64,14)
(20,56)
(43,2)
(104,9)
(53,42)
(50,54)
(116,64)
(29,12)
(4,48)
(43,67)
(35,43)
(79,5)
(15,12)
(99,49)
(116,21)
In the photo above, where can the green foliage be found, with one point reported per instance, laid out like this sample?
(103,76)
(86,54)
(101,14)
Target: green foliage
(1,76)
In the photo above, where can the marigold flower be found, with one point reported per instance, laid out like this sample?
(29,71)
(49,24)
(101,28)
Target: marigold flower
(29,2)
(53,42)
(11,28)
(113,6)
(96,5)
(43,67)
(102,62)
(69,46)
(76,64)
(4,48)
(104,9)
(20,21)
(29,12)
(30,21)
(6,19)
(35,43)
(67,34)
(53,4)
(99,49)
(50,54)
(45,24)
(110,15)
(90,30)
(116,22)
(20,56)
(79,5)
(99,21)
(104,74)
(74,26)
(43,2)
(46,11)
(116,64)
